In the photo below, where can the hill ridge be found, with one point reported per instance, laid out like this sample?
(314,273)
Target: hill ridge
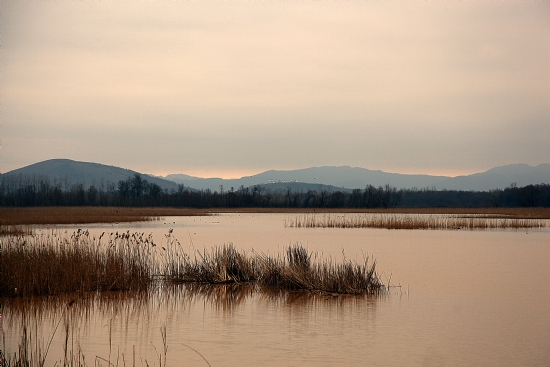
(327,177)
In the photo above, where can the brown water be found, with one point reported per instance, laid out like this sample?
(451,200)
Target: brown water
(467,298)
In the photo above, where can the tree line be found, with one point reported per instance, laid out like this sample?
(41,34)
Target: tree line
(41,190)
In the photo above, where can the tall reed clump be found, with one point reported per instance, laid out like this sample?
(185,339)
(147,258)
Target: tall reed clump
(408,221)
(295,271)
(222,265)
(55,264)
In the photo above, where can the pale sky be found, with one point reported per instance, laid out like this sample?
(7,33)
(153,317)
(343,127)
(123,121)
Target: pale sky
(234,88)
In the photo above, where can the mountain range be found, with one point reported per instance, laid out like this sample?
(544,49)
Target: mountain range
(328,178)
(355,177)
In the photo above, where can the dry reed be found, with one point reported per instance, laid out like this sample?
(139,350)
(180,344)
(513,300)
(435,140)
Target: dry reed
(55,264)
(408,221)
(82,215)
(294,271)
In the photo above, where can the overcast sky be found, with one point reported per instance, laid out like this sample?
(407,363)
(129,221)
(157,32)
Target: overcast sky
(226,89)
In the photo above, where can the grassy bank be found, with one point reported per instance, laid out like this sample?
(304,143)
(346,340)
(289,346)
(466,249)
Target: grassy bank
(17,221)
(82,215)
(56,264)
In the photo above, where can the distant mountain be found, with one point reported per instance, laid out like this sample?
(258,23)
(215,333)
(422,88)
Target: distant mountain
(85,173)
(499,178)
(355,177)
(325,178)
(301,187)
(214,184)
(339,177)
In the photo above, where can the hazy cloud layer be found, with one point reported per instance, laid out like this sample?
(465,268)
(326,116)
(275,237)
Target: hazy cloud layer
(233,88)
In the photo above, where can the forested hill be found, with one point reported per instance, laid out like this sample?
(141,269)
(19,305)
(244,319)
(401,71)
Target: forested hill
(65,182)
(66,172)
(135,191)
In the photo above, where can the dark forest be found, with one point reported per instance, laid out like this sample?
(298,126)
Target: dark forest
(41,190)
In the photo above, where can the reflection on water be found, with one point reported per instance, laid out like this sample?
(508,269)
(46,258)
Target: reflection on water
(469,298)
(101,326)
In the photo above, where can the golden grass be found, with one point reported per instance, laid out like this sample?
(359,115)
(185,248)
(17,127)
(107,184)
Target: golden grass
(295,271)
(413,221)
(55,264)
(83,215)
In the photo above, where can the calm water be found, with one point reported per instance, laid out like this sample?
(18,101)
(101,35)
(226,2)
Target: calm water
(467,298)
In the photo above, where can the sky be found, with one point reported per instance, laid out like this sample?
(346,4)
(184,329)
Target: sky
(234,88)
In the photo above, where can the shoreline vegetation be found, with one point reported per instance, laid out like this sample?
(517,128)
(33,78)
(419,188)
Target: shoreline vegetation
(15,216)
(19,221)
(55,264)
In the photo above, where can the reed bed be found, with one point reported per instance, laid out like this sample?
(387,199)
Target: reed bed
(15,230)
(294,271)
(54,264)
(408,221)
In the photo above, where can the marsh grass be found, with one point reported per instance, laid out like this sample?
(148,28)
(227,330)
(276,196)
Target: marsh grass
(412,221)
(61,263)
(82,215)
(54,264)
(12,230)
(293,271)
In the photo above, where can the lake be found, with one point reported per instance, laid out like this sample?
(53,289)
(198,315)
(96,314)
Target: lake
(458,298)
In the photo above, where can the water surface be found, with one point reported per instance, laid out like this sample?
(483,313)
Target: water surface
(466,298)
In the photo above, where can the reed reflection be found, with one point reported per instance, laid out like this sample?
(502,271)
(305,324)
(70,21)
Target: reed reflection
(73,327)
(160,303)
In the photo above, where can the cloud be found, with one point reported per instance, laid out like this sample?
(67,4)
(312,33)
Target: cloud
(277,85)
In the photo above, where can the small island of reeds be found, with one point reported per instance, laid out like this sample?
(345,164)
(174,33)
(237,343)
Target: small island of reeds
(54,264)
(413,221)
